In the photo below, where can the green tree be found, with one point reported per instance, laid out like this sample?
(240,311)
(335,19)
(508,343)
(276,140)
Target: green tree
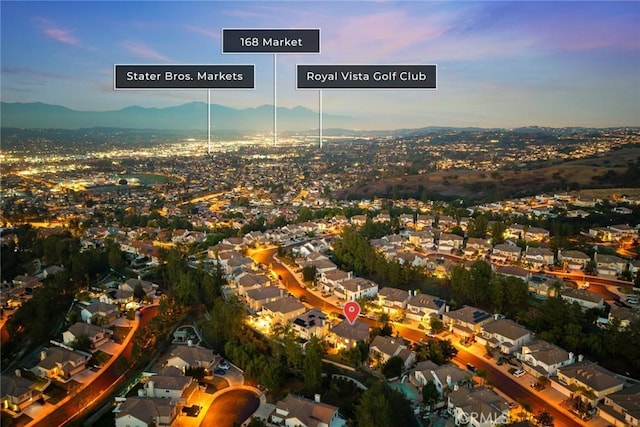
(374,409)
(393,367)
(312,365)
(309,273)
(82,343)
(498,229)
(544,419)
(138,290)
(430,393)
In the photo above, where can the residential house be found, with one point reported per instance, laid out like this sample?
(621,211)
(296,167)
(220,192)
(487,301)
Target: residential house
(514,271)
(536,234)
(359,220)
(356,288)
(178,388)
(423,239)
(586,299)
(236,242)
(609,265)
(622,408)
(117,297)
(445,377)
(149,288)
(17,392)
(421,307)
(331,279)
(514,231)
(446,222)
(345,335)
(540,357)
(283,310)
(60,363)
(99,312)
(466,321)
(424,221)
(384,348)
(574,260)
(505,253)
(238,262)
(256,298)
(144,412)
(624,315)
(421,373)
(411,258)
(382,218)
(393,300)
(247,281)
(477,247)
(448,242)
(323,265)
(538,257)
(623,231)
(505,335)
(295,411)
(96,335)
(312,323)
(588,381)
(407,220)
(182,357)
(545,285)
(478,408)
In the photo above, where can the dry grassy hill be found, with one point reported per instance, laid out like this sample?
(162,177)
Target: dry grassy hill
(481,186)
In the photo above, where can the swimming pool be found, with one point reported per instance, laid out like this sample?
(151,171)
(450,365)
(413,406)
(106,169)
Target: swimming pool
(407,390)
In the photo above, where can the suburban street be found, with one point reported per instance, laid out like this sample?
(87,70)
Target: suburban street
(503,381)
(91,396)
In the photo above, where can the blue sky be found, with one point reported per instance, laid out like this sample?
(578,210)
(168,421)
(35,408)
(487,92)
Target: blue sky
(502,64)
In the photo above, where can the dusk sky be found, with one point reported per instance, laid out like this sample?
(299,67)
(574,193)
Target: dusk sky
(500,64)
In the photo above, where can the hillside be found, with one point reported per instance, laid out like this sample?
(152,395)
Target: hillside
(604,172)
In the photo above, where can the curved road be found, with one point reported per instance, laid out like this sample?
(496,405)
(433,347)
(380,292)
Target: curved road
(90,397)
(231,408)
(499,379)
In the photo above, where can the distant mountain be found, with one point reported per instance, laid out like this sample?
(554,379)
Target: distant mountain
(187,116)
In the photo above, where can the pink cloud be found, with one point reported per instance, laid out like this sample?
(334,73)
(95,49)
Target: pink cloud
(205,31)
(144,51)
(56,33)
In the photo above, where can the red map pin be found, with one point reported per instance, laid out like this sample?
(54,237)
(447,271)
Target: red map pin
(351,311)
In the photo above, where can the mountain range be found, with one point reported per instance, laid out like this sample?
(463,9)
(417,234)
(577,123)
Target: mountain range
(188,116)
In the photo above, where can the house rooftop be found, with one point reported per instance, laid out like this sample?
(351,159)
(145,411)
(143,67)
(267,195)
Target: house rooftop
(359,331)
(592,375)
(469,314)
(87,329)
(426,301)
(545,352)
(582,294)
(628,399)
(393,294)
(264,293)
(284,305)
(311,318)
(506,328)
(308,412)
(145,408)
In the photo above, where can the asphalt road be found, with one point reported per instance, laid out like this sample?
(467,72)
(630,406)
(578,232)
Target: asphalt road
(515,390)
(499,379)
(88,398)
(234,406)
